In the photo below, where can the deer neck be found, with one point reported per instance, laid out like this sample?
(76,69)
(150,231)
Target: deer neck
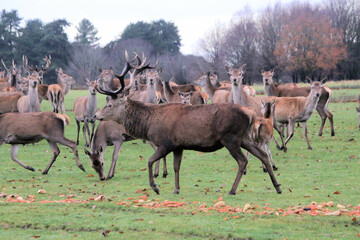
(136,119)
(238,94)
(168,92)
(310,104)
(270,89)
(91,106)
(151,94)
(209,88)
(33,96)
(64,86)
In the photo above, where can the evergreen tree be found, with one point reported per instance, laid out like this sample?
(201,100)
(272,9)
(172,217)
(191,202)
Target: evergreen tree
(86,34)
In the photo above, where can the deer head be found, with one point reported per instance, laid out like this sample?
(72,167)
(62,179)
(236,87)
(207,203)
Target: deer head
(236,74)
(185,97)
(268,76)
(97,161)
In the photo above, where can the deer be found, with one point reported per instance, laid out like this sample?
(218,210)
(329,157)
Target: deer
(110,133)
(213,127)
(84,111)
(263,130)
(8,101)
(60,90)
(185,97)
(30,128)
(358,110)
(30,102)
(172,96)
(291,90)
(9,83)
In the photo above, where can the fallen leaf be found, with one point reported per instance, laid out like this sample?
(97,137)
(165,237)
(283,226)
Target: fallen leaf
(337,192)
(219,204)
(246,207)
(100,198)
(41,191)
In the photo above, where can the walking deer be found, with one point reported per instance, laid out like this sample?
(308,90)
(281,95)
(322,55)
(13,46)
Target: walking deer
(110,133)
(212,127)
(30,128)
(291,90)
(84,111)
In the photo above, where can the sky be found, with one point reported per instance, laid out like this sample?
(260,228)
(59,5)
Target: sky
(110,17)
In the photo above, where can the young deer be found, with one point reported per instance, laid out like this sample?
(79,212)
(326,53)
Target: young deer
(110,133)
(172,95)
(30,128)
(292,90)
(213,126)
(84,111)
(30,102)
(185,97)
(263,130)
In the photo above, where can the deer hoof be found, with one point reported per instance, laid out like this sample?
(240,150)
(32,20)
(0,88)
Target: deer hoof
(156,175)
(332,134)
(310,148)
(232,193)
(155,189)
(31,169)
(176,191)
(274,168)
(165,174)
(109,177)
(264,170)
(81,167)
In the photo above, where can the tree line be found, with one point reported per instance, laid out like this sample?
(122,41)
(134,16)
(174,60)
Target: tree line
(299,39)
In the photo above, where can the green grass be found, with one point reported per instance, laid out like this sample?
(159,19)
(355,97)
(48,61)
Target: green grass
(305,176)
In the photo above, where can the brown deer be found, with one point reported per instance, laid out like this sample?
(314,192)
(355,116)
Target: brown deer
(263,130)
(84,111)
(8,101)
(185,97)
(110,133)
(213,127)
(30,102)
(172,96)
(291,90)
(358,110)
(30,128)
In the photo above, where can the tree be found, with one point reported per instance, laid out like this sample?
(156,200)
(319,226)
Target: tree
(210,47)
(55,43)
(28,42)
(87,34)
(9,26)
(309,46)
(239,45)
(162,35)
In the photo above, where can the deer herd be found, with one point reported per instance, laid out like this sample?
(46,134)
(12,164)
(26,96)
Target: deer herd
(170,117)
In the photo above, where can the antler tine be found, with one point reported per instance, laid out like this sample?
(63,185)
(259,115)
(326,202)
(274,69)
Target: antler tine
(4,65)
(13,64)
(48,62)
(112,94)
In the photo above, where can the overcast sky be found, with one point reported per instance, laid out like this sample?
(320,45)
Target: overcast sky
(194,18)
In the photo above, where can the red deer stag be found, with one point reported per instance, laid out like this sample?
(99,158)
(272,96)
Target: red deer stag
(213,127)
(291,90)
(30,128)
(85,108)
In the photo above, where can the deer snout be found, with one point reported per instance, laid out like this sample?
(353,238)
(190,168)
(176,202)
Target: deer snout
(317,94)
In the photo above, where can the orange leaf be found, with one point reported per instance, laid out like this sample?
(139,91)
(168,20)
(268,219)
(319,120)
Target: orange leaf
(337,192)
(220,199)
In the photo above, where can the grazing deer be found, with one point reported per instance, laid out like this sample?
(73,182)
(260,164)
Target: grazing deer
(30,128)
(291,90)
(213,127)
(358,110)
(30,102)
(110,133)
(84,111)
(263,130)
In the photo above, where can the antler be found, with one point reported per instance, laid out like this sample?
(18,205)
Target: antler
(4,65)
(112,94)
(48,62)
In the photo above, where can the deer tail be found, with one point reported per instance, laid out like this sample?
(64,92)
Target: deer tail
(65,118)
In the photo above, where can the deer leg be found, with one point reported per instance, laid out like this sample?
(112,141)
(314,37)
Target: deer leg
(261,155)
(177,163)
(157,166)
(291,125)
(279,131)
(323,120)
(268,152)
(236,153)
(165,172)
(78,131)
(56,152)
(66,142)
(62,106)
(159,153)
(14,151)
(117,146)
(305,134)
(92,132)
(330,116)
(86,132)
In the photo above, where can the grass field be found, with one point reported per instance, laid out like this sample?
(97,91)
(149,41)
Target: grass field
(203,210)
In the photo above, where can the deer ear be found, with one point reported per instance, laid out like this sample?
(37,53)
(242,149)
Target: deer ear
(243,67)
(308,80)
(100,69)
(358,109)
(228,69)
(180,93)
(323,81)
(87,152)
(100,149)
